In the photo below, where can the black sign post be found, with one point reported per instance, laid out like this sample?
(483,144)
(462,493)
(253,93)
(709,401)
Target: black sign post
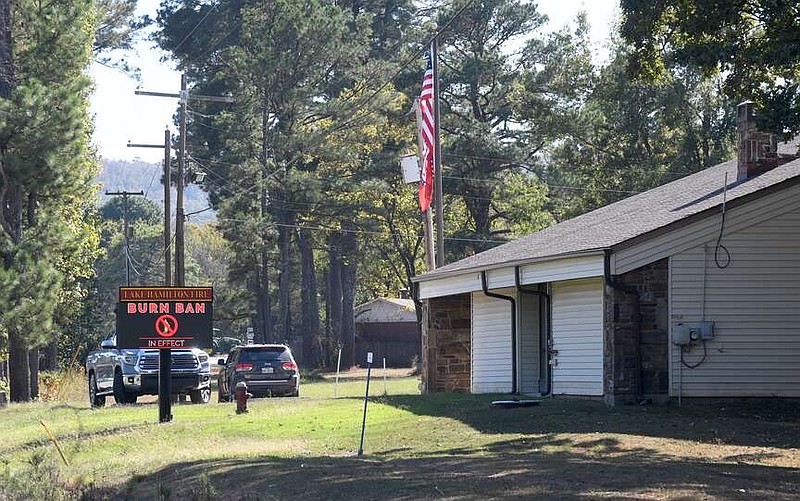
(164,385)
(165,318)
(366,399)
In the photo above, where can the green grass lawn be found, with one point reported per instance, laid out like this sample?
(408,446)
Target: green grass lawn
(442,446)
(116,443)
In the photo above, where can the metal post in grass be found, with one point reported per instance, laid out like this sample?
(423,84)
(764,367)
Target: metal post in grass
(384,376)
(338,367)
(366,398)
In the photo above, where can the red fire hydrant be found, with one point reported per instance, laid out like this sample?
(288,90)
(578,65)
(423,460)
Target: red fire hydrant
(241,397)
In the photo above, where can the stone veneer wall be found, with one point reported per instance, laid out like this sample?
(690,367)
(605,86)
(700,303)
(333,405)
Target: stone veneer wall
(636,331)
(446,344)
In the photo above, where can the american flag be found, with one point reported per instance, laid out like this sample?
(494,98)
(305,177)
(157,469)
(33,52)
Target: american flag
(426,126)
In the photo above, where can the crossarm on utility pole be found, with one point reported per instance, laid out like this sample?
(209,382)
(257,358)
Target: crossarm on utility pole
(197,97)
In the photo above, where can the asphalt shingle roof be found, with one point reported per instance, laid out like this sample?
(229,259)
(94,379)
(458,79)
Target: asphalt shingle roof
(632,217)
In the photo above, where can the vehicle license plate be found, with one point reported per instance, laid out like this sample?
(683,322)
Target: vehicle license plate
(267,370)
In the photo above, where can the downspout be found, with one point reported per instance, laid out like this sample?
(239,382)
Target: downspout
(513,329)
(615,283)
(545,332)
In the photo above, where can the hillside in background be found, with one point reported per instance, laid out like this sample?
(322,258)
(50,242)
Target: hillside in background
(138,175)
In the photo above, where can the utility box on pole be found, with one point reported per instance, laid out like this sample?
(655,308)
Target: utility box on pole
(409,164)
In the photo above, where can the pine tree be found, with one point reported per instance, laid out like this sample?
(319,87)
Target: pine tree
(46,166)
(482,135)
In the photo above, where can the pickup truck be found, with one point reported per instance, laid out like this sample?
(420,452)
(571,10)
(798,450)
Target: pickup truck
(127,374)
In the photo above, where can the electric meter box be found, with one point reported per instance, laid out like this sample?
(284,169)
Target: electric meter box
(689,332)
(680,334)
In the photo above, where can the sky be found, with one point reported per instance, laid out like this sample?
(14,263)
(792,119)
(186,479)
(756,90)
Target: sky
(120,116)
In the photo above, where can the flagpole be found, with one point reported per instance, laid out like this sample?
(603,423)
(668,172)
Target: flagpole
(430,257)
(437,158)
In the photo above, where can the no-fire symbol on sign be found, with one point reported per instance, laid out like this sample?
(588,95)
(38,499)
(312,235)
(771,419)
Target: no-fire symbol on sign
(166,325)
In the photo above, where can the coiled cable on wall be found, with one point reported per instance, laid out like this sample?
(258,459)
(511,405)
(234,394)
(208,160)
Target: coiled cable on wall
(694,366)
(719,245)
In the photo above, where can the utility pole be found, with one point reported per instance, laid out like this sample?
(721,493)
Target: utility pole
(167,187)
(180,269)
(126,228)
(183,98)
(164,354)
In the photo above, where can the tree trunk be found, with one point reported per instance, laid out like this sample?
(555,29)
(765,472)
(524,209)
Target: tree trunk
(33,368)
(6,55)
(263,330)
(478,206)
(349,249)
(263,327)
(325,335)
(11,214)
(284,278)
(50,354)
(19,375)
(334,296)
(20,382)
(264,300)
(310,305)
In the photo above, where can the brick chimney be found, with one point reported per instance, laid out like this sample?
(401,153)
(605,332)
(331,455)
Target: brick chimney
(758,151)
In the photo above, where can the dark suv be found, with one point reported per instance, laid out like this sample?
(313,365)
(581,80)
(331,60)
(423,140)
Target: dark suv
(268,369)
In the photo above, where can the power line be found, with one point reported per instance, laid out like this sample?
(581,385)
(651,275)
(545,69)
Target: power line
(150,184)
(125,227)
(213,8)
(361,104)
(196,212)
(293,205)
(131,262)
(547,185)
(402,68)
(352,231)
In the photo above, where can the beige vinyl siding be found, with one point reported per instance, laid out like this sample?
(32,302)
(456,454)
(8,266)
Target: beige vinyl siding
(528,336)
(491,343)
(577,324)
(450,286)
(499,278)
(755,305)
(567,268)
(694,234)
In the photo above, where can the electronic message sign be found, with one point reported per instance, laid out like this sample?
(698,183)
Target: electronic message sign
(165,317)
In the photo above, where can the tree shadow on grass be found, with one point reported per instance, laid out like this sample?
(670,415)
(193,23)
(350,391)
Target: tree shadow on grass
(543,468)
(748,423)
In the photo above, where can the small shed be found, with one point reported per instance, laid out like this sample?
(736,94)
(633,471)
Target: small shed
(388,328)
